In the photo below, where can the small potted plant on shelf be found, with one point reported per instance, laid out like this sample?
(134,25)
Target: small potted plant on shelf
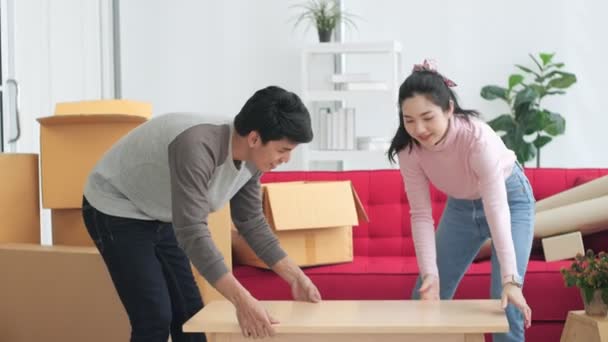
(325,15)
(589,273)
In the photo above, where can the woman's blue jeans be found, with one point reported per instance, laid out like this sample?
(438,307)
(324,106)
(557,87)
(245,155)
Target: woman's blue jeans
(462,231)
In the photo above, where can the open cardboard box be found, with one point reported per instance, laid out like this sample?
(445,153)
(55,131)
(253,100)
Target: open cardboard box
(312,220)
(96,107)
(73,140)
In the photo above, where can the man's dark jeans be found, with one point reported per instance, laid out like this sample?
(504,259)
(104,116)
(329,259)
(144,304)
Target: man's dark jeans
(151,273)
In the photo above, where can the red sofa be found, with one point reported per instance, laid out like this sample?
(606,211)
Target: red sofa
(384,265)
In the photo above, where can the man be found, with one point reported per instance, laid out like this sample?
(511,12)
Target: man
(147,200)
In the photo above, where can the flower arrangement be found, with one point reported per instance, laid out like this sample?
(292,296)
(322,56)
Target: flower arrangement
(589,273)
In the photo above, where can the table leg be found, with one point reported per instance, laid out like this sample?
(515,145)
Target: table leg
(474,338)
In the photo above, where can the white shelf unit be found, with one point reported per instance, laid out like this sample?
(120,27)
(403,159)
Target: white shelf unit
(312,94)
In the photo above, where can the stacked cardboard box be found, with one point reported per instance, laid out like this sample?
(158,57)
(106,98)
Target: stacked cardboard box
(71,143)
(19,198)
(312,220)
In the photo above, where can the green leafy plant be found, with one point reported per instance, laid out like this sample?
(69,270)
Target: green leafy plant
(528,126)
(325,15)
(588,272)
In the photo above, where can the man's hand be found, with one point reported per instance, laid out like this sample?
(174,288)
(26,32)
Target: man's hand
(429,290)
(253,318)
(302,289)
(513,294)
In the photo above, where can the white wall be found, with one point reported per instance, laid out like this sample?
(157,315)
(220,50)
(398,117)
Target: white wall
(477,42)
(207,56)
(57,57)
(210,56)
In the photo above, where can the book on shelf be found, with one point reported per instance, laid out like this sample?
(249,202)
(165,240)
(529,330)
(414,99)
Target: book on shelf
(336,129)
(349,131)
(322,128)
(338,125)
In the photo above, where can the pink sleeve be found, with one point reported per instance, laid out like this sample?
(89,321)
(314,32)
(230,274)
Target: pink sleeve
(486,165)
(421,212)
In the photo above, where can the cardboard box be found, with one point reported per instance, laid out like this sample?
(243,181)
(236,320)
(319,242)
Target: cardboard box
(312,220)
(308,247)
(564,246)
(70,146)
(58,293)
(94,107)
(69,229)
(220,225)
(19,198)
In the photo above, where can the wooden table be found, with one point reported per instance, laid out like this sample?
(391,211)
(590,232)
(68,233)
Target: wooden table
(359,321)
(581,327)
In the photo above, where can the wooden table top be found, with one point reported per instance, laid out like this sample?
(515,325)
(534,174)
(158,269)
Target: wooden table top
(373,316)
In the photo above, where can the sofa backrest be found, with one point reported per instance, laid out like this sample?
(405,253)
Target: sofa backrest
(550,181)
(388,232)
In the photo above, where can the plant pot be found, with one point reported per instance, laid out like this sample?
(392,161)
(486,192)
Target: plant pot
(324,35)
(596,305)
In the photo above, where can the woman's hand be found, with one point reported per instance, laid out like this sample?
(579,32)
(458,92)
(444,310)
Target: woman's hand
(429,290)
(513,294)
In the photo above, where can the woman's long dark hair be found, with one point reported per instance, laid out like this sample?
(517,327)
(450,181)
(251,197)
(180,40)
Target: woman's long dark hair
(433,86)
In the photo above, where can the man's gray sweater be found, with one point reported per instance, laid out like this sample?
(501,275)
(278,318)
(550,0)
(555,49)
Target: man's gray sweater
(178,168)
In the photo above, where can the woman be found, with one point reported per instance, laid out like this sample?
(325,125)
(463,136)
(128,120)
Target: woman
(488,195)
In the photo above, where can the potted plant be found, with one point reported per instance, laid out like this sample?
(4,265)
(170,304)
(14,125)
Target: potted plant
(528,126)
(325,15)
(589,273)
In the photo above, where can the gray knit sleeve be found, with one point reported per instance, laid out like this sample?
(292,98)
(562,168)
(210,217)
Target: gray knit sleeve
(192,163)
(248,217)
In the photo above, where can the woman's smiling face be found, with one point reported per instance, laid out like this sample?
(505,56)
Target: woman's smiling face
(424,120)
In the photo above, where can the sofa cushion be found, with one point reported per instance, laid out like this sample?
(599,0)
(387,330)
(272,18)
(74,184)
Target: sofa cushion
(395,277)
(549,181)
